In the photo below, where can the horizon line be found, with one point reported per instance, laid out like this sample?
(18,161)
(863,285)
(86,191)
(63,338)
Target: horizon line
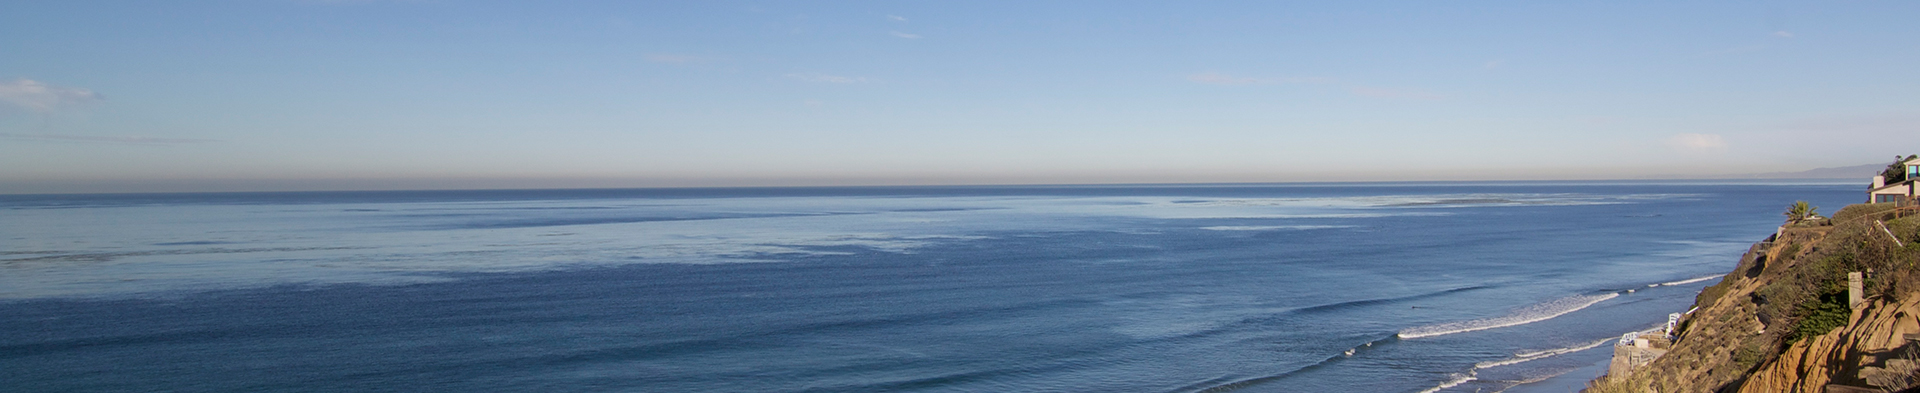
(1691,181)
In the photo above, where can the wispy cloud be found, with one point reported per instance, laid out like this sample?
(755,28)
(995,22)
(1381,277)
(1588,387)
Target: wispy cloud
(824,78)
(897,18)
(1697,142)
(1783,34)
(906,35)
(1215,78)
(672,58)
(40,97)
(136,140)
(1399,94)
(1492,64)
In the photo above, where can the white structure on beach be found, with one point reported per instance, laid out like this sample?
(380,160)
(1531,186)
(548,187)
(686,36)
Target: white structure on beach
(1673,324)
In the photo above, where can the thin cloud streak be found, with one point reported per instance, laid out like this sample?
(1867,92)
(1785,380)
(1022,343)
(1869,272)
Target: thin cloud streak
(136,140)
(906,35)
(40,97)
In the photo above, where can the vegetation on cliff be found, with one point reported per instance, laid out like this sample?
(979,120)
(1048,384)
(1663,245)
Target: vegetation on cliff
(1781,321)
(1897,172)
(1801,211)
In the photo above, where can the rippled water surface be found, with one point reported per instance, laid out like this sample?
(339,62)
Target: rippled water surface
(1254,288)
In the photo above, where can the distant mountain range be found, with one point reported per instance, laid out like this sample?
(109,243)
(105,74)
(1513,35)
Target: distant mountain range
(1862,172)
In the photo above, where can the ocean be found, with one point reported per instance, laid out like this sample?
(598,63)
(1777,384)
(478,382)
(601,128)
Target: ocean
(1381,287)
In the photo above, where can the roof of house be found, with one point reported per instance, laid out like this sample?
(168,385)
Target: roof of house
(1890,187)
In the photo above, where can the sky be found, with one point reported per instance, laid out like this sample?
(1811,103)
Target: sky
(271,95)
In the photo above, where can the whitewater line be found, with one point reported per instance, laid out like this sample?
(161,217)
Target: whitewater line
(1531,314)
(1456,381)
(1537,355)
(1684,282)
(1523,357)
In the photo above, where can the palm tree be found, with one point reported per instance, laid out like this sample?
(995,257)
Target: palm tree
(1801,211)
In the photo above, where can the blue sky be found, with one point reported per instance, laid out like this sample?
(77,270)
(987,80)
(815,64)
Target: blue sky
(288,95)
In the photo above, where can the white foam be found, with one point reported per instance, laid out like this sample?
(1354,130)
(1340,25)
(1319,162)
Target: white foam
(1524,357)
(1456,381)
(1684,282)
(1537,379)
(1526,315)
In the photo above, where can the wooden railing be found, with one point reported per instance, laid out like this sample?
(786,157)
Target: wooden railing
(1906,206)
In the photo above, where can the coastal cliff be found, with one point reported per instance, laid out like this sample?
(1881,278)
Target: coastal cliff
(1828,305)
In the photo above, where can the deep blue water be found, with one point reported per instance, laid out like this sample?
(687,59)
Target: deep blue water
(1250,288)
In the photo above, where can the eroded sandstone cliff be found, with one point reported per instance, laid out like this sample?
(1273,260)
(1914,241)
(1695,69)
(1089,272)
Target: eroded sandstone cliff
(1782,320)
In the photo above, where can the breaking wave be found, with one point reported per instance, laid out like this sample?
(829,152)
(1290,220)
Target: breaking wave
(1524,357)
(1218,386)
(1456,381)
(1526,315)
(1684,282)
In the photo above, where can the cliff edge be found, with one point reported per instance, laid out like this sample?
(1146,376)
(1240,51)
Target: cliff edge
(1829,305)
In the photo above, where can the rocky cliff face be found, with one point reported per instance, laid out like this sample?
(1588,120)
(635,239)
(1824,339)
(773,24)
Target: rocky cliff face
(1781,322)
(1865,353)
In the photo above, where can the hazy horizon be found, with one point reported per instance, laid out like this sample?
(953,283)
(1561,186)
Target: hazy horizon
(435,185)
(385,95)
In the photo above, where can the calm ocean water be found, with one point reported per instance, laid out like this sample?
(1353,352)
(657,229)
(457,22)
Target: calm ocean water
(1246,288)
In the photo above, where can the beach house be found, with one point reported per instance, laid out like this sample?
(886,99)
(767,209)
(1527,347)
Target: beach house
(1899,191)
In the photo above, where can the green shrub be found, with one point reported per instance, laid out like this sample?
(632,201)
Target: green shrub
(1829,312)
(1830,271)
(1780,300)
(1751,354)
(1907,228)
(1856,211)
